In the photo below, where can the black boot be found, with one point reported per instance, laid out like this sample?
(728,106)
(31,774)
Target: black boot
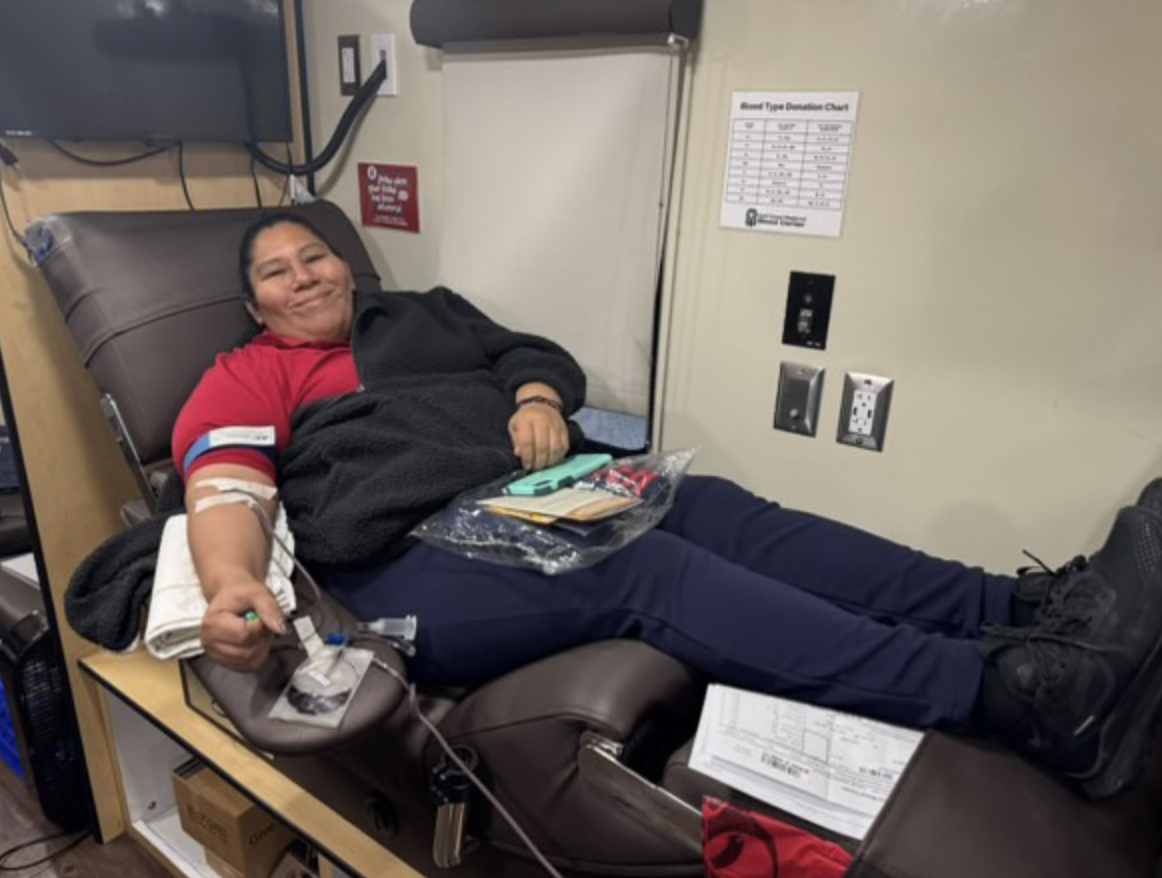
(1078,691)
(1035,583)
(1033,587)
(1151,497)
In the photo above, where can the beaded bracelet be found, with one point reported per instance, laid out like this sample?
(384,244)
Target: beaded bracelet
(543,400)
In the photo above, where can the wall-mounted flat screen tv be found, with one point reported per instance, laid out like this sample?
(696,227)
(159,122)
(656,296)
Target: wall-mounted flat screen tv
(151,70)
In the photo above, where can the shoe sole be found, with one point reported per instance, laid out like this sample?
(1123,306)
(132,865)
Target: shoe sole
(1129,724)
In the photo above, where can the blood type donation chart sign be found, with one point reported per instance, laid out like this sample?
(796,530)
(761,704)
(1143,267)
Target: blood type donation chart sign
(788,161)
(389,196)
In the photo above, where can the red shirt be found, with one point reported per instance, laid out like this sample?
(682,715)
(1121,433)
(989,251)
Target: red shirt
(261,385)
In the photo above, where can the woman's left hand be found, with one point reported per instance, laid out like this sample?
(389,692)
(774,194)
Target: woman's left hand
(539,435)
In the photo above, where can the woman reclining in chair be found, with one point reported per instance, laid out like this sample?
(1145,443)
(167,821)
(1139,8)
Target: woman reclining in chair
(1064,666)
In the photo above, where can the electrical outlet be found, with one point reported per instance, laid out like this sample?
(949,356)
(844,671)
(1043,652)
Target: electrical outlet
(863,414)
(383,49)
(797,402)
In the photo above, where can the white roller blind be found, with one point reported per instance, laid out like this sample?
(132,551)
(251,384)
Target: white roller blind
(557,177)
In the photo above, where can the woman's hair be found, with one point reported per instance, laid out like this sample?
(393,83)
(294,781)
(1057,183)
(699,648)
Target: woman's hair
(250,236)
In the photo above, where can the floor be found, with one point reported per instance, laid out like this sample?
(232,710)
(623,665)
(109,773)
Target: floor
(21,820)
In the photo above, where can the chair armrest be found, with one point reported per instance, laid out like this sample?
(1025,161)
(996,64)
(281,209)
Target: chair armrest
(966,808)
(528,727)
(609,687)
(246,699)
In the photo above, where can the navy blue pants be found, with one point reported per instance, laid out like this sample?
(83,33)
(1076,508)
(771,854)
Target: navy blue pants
(755,595)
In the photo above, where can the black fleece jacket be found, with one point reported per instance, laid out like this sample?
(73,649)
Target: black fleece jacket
(439,381)
(439,338)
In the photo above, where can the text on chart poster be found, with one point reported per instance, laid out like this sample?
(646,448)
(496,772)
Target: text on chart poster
(788,161)
(389,196)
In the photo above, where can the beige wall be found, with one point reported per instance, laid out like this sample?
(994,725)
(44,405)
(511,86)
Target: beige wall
(998,257)
(402,130)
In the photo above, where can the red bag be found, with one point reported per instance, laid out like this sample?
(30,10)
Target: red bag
(741,844)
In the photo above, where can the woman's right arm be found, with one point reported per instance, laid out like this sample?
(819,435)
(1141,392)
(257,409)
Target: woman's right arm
(231,551)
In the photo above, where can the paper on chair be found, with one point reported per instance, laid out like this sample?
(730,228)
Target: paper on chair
(832,768)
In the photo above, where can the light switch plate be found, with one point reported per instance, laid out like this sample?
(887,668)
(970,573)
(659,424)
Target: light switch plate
(863,413)
(808,309)
(797,402)
(349,74)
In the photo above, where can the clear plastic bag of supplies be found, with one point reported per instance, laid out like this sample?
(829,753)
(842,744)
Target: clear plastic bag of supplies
(568,529)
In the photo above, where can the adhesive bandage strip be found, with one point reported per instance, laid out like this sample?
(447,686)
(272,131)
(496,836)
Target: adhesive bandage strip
(233,491)
(213,500)
(305,628)
(260,491)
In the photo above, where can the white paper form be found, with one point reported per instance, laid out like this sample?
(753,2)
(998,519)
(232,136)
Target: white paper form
(829,767)
(788,160)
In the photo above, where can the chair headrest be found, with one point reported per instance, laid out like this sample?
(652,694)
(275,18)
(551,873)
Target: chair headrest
(152,297)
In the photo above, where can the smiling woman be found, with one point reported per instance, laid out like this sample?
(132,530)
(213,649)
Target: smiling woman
(297,286)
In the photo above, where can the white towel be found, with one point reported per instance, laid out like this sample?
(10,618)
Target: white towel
(173,630)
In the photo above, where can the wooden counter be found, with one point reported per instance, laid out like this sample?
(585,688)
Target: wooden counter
(154,730)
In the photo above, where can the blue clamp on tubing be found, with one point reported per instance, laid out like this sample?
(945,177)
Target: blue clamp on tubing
(39,241)
(336,640)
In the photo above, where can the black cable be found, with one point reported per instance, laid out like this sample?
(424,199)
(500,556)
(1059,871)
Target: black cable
(111,163)
(182,175)
(366,92)
(304,67)
(4,867)
(8,216)
(254,179)
(286,179)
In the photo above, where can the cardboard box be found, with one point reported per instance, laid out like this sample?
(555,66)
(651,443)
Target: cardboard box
(297,862)
(241,836)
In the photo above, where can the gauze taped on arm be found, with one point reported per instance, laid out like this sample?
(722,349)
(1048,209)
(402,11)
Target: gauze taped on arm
(233,488)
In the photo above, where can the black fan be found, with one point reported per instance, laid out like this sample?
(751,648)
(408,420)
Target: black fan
(41,727)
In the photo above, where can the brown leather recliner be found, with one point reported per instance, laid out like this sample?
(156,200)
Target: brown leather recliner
(588,748)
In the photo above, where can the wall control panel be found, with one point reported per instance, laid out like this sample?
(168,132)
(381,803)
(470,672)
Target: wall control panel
(350,76)
(797,402)
(808,309)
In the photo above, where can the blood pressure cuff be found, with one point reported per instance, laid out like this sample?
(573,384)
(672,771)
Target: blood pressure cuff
(252,446)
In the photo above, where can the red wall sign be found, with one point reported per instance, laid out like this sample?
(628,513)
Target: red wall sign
(389,196)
